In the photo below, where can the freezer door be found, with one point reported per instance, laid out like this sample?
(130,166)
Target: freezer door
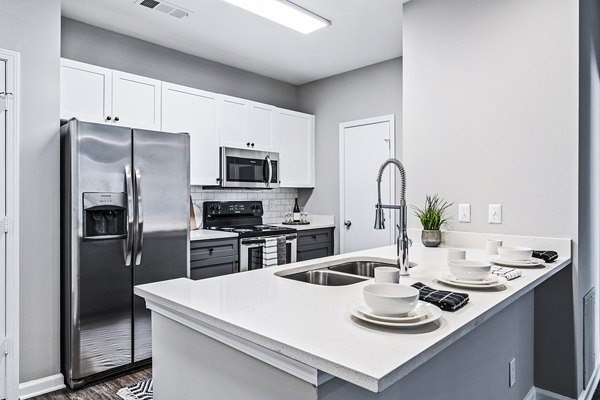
(97,284)
(161,251)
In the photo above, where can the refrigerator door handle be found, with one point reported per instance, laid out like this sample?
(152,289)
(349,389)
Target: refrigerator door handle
(140,216)
(130,215)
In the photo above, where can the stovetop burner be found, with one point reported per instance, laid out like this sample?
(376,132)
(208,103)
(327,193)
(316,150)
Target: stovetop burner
(241,217)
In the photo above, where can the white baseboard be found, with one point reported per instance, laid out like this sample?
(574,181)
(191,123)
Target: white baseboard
(531,394)
(41,386)
(541,394)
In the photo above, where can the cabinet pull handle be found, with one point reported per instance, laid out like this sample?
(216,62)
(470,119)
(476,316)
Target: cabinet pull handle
(108,118)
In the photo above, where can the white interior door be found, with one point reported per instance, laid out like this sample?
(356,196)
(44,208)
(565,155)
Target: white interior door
(2,234)
(364,146)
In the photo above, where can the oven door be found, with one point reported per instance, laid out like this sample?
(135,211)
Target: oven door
(251,252)
(249,168)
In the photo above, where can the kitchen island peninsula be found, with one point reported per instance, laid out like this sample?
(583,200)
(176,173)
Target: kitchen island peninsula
(258,335)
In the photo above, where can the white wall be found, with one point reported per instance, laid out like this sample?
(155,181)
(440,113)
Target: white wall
(32,27)
(491,116)
(366,92)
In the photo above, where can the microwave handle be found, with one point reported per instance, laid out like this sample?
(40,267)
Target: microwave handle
(270,164)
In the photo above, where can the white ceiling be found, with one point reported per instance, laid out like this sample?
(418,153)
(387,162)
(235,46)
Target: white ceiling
(363,32)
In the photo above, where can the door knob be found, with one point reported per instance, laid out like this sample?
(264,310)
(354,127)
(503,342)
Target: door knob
(348,224)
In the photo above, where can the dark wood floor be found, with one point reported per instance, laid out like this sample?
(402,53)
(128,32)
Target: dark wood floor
(102,390)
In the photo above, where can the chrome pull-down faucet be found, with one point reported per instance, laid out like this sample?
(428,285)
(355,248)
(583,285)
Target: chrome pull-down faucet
(402,242)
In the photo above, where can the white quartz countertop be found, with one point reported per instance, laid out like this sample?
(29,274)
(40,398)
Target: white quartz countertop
(311,324)
(316,222)
(206,234)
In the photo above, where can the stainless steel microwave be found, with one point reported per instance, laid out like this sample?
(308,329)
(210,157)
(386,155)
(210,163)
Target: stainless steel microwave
(241,168)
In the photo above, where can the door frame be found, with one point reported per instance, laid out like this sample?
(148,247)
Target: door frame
(342,140)
(12,60)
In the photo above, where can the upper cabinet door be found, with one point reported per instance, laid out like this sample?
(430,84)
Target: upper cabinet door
(263,127)
(233,121)
(85,92)
(194,111)
(296,133)
(136,101)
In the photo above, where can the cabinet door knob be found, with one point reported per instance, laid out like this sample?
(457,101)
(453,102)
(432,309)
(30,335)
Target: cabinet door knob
(252,144)
(108,118)
(248,144)
(116,119)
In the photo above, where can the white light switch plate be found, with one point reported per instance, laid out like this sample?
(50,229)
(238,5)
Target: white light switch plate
(495,214)
(464,213)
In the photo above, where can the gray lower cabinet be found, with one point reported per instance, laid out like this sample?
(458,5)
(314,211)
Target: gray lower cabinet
(215,257)
(315,243)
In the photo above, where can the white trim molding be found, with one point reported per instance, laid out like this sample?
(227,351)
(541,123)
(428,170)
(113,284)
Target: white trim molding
(41,386)
(12,213)
(342,167)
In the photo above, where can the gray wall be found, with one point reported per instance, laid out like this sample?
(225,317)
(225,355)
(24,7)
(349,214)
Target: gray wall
(589,146)
(491,96)
(90,44)
(366,92)
(32,27)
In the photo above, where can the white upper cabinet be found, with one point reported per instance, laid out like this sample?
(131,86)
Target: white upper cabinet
(136,101)
(194,111)
(101,95)
(233,121)
(296,141)
(263,127)
(85,92)
(246,124)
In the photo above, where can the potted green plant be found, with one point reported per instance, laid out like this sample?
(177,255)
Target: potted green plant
(432,217)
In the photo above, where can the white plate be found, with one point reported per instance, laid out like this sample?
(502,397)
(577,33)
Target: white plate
(433,314)
(532,262)
(417,314)
(491,281)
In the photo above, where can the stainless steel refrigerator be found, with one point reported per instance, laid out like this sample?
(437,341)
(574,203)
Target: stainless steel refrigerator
(125,221)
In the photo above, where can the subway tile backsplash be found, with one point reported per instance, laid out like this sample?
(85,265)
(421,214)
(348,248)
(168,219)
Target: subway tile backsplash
(275,201)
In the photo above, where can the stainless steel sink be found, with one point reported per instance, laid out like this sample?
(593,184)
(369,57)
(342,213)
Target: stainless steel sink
(360,268)
(324,278)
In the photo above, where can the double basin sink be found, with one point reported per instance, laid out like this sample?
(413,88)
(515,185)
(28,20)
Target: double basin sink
(345,273)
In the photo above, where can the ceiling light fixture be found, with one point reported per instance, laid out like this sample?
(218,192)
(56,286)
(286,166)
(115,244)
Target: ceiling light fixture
(285,13)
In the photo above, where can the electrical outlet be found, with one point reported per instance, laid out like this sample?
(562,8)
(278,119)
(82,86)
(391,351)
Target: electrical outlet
(512,373)
(495,214)
(464,213)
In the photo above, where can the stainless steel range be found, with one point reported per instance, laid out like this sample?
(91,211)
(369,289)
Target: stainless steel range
(245,219)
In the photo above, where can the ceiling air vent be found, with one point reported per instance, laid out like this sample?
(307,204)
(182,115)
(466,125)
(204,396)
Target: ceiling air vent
(149,3)
(165,8)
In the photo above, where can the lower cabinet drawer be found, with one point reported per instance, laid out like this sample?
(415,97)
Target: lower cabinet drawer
(208,249)
(314,251)
(220,267)
(324,235)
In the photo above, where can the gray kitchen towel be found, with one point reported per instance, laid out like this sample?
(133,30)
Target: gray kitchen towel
(508,273)
(281,250)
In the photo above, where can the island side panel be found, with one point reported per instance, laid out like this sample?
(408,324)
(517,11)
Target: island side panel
(473,368)
(189,365)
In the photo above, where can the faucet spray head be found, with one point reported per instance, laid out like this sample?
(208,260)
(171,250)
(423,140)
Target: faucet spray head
(379,217)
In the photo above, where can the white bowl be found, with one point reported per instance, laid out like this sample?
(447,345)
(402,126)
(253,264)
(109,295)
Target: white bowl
(469,270)
(390,298)
(515,253)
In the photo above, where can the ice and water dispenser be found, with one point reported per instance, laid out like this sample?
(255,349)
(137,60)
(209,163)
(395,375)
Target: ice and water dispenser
(104,215)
